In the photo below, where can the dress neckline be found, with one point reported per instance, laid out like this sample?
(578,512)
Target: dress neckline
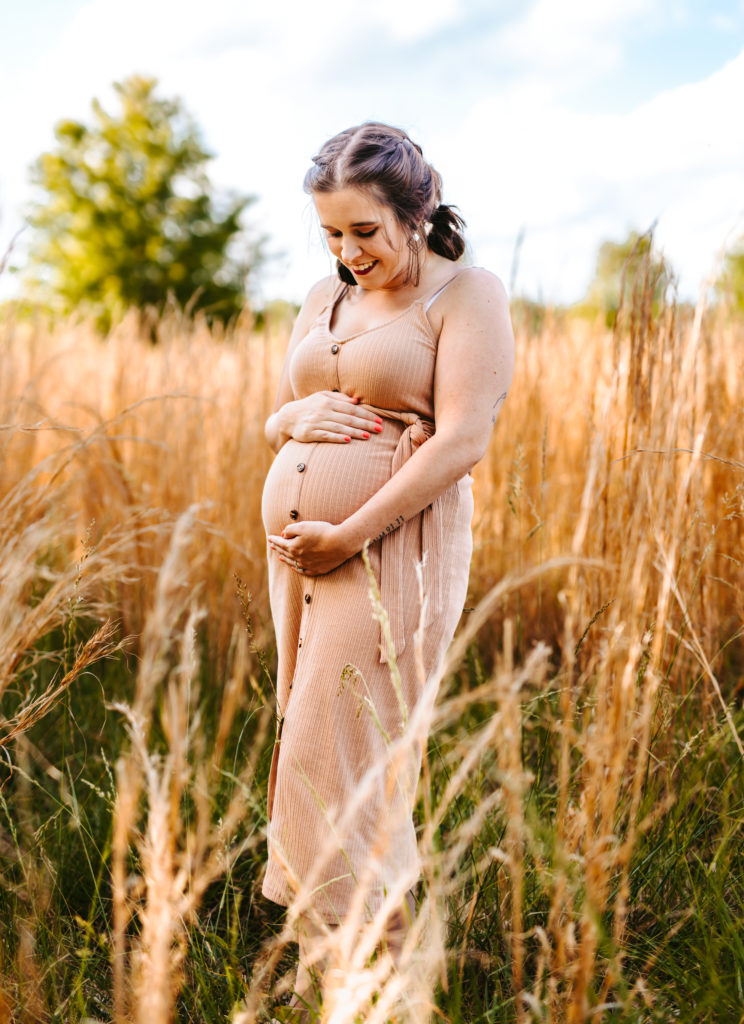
(366,330)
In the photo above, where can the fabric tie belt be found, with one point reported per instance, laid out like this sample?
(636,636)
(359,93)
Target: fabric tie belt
(428,522)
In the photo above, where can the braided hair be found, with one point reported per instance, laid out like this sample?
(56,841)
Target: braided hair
(385,161)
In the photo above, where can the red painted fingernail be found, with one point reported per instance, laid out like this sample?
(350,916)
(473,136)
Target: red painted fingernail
(347,439)
(365,435)
(377,419)
(378,428)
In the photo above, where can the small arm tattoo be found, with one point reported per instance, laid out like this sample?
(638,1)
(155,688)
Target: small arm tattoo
(496,407)
(390,527)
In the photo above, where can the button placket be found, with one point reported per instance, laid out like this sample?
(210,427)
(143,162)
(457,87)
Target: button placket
(335,350)
(294,512)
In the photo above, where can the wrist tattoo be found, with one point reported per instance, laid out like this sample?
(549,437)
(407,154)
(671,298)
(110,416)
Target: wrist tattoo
(496,407)
(390,527)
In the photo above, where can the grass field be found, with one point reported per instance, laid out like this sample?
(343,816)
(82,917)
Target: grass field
(582,804)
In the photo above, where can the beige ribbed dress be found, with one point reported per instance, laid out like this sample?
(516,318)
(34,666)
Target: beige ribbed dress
(343,781)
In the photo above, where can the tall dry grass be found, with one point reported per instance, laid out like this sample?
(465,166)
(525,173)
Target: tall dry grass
(133,428)
(159,428)
(607,600)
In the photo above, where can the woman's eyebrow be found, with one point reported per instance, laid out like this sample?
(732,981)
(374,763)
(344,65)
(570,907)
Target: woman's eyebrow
(356,224)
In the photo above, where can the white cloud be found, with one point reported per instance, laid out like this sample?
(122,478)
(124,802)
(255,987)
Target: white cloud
(572,178)
(413,19)
(571,37)
(724,22)
(268,83)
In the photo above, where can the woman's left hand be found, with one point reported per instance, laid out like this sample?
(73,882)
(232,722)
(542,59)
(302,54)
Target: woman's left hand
(311,548)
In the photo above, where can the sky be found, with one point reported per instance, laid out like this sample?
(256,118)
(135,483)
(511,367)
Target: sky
(565,122)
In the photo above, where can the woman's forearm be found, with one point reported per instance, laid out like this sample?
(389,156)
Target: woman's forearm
(278,429)
(434,467)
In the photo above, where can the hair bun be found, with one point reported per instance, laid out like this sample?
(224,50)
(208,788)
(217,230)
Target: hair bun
(385,161)
(446,237)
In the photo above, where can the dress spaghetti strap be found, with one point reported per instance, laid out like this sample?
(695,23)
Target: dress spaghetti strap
(432,298)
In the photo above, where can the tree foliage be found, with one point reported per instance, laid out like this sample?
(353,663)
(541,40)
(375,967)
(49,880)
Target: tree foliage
(625,270)
(128,216)
(730,285)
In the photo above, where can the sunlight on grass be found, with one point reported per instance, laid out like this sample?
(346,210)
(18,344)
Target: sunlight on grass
(580,812)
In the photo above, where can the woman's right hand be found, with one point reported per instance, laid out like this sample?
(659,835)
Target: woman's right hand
(326,416)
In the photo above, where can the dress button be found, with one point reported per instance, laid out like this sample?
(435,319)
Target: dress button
(308,599)
(334,349)
(294,514)
(300,467)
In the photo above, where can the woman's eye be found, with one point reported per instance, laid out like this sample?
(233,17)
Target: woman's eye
(359,234)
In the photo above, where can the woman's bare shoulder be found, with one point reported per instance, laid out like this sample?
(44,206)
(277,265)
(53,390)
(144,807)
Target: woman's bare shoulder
(316,299)
(321,292)
(473,294)
(477,283)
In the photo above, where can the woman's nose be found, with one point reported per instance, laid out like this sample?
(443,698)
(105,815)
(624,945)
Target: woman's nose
(349,249)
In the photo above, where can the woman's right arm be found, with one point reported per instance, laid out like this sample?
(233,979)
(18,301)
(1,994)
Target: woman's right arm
(325,415)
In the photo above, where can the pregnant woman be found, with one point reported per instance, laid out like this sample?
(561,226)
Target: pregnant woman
(395,373)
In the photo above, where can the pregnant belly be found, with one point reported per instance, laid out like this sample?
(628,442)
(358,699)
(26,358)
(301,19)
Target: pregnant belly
(326,481)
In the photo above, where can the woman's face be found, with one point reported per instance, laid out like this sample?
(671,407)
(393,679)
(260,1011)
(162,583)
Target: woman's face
(365,236)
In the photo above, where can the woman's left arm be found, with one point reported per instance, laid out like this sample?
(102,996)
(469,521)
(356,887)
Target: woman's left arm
(475,363)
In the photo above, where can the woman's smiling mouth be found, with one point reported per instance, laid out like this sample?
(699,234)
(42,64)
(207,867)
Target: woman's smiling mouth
(364,268)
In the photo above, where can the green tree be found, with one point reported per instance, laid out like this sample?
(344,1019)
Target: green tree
(628,270)
(730,284)
(128,216)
